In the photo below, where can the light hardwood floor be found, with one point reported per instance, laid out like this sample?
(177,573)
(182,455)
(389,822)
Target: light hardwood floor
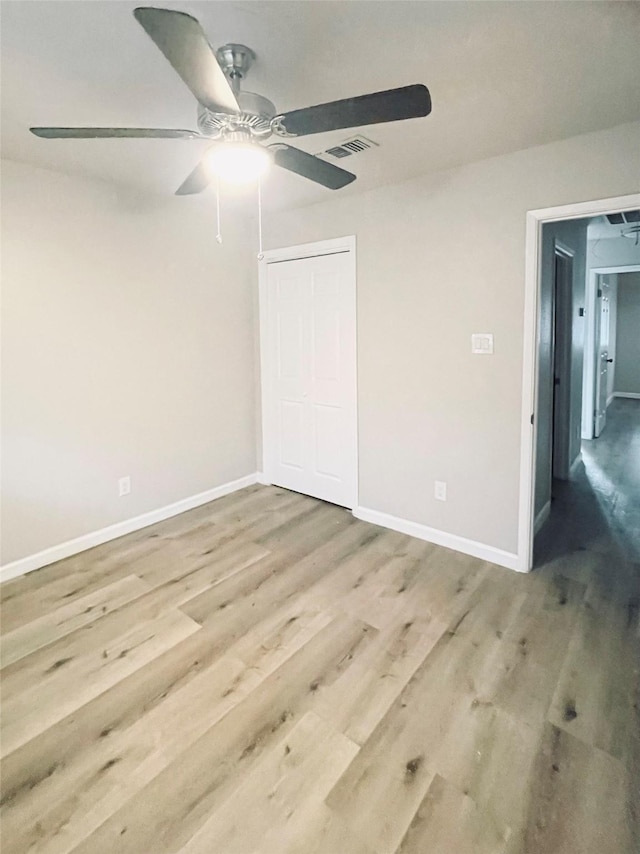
(268,674)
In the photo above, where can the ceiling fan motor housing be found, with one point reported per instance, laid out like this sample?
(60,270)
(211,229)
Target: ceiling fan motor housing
(255,118)
(235,60)
(256,111)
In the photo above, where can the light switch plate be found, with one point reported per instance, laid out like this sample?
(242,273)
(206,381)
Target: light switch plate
(482,343)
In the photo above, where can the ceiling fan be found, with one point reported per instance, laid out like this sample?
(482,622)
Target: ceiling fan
(240,121)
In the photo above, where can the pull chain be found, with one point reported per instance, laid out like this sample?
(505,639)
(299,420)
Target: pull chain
(218,233)
(260,252)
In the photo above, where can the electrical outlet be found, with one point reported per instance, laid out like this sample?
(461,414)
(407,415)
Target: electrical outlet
(124,486)
(440,490)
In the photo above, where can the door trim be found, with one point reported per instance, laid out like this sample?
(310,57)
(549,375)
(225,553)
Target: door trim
(535,219)
(337,245)
(588,385)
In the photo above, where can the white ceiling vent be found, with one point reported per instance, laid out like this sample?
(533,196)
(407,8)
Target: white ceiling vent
(351,146)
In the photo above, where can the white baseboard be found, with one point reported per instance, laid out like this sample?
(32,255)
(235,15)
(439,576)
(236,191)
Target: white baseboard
(631,395)
(96,538)
(543,515)
(440,538)
(263,479)
(610,398)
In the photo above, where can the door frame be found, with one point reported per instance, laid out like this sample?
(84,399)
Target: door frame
(535,219)
(337,245)
(589,373)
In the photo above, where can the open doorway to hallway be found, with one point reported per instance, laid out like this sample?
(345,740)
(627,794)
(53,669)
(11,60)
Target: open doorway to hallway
(587,472)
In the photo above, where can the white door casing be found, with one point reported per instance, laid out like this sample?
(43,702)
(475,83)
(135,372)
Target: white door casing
(602,356)
(591,342)
(533,244)
(308,358)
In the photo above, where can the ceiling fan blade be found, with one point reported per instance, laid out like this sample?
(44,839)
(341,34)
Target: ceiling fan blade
(408,102)
(311,167)
(182,40)
(114,133)
(195,182)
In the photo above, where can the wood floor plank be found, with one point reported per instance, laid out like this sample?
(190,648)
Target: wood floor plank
(448,820)
(359,700)
(105,772)
(384,786)
(578,800)
(536,646)
(270,582)
(123,760)
(145,551)
(490,757)
(199,576)
(290,780)
(154,819)
(212,535)
(124,702)
(596,692)
(321,832)
(62,621)
(28,598)
(69,683)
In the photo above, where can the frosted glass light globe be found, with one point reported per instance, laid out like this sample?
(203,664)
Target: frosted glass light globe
(237,163)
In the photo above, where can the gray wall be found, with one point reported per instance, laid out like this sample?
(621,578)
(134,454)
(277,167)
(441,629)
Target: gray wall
(438,259)
(127,337)
(573,235)
(627,377)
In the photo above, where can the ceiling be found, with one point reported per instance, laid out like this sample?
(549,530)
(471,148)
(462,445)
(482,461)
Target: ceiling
(600,228)
(502,75)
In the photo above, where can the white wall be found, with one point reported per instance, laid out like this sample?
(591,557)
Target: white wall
(440,258)
(127,349)
(627,378)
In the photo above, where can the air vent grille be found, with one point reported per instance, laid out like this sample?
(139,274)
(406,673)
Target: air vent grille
(351,146)
(623,218)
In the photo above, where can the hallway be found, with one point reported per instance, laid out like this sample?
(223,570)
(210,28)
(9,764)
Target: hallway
(599,509)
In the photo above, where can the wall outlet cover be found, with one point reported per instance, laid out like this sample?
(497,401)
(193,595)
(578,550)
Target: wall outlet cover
(124,486)
(440,490)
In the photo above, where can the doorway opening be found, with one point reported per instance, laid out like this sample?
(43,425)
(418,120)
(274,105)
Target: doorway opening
(581,410)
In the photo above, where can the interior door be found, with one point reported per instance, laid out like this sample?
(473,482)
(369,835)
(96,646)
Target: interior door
(310,423)
(561,364)
(602,356)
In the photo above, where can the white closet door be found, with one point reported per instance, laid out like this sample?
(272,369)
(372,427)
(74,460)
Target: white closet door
(310,424)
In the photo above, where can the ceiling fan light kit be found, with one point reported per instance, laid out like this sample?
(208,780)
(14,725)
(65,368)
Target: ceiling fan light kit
(240,161)
(239,122)
(633,233)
